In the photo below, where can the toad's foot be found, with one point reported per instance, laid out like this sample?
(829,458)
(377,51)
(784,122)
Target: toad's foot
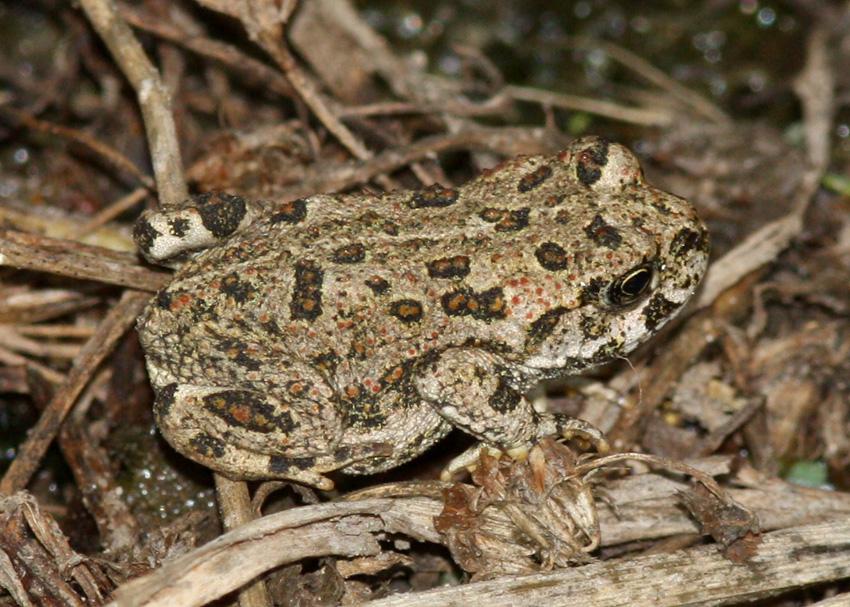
(549,425)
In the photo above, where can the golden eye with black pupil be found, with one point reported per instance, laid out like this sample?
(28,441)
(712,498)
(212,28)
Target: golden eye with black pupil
(629,286)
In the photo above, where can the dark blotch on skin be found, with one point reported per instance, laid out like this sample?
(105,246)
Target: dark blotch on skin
(239,352)
(221,213)
(179,226)
(687,240)
(591,161)
(592,292)
(551,256)
(531,180)
(456,303)
(505,398)
(203,311)
(351,253)
(237,289)
(487,306)
(306,302)
(364,413)
(279,464)
(164,400)
(661,208)
(433,196)
(164,299)
(397,375)
(449,267)
(144,234)
(603,234)
(563,217)
(242,409)
(491,305)
(506,220)
(271,327)
(544,326)
(377,284)
(406,310)
(326,362)
(292,212)
(208,446)
(658,310)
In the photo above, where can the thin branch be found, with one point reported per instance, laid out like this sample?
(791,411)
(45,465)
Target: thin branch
(154,98)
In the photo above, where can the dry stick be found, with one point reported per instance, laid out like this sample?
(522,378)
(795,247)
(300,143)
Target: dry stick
(508,141)
(309,93)
(12,359)
(233,559)
(98,347)
(235,505)
(154,99)
(815,86)
(70,258)
(11,581)
(783,561)
(110,212)
(657,77)
(247,67)
(645,116)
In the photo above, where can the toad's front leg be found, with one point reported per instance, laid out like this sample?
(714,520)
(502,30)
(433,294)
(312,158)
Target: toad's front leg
(475,392)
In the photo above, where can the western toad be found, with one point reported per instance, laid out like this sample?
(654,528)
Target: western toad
(351,332)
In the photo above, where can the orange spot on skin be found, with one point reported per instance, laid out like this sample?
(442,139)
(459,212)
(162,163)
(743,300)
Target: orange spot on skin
(243,414)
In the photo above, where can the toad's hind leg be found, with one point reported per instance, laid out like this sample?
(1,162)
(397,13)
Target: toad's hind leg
(245,435)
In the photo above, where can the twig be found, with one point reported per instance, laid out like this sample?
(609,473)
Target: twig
(507,141)
(70,258)
(228,55)
(154,98)
(784,560)
(309,93)
(644,116)
(110,212)
(645,69)
(234,502)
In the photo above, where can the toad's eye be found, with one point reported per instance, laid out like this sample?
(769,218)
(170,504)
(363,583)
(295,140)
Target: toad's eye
(629,286)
